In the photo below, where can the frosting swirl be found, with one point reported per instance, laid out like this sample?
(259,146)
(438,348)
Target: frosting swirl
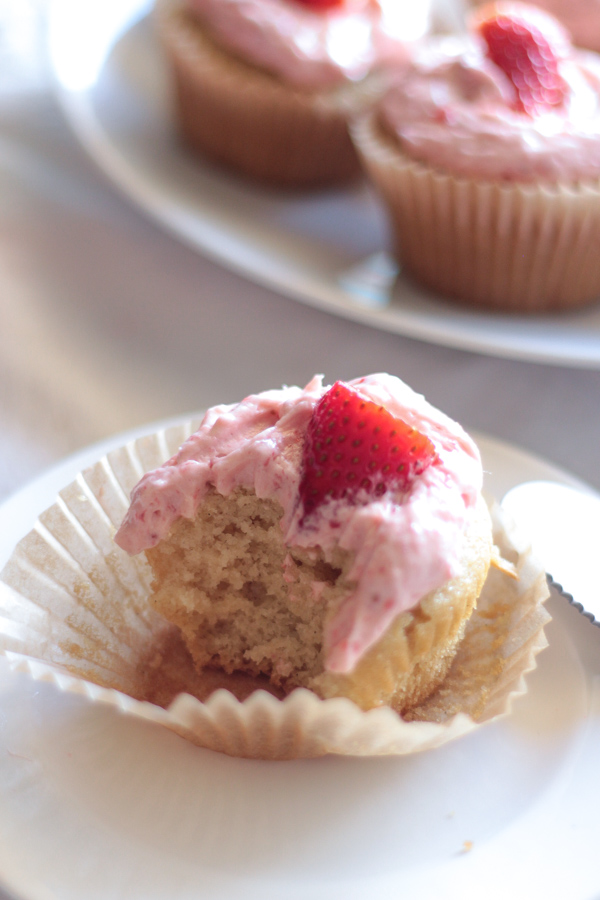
(311,48)
(453,109)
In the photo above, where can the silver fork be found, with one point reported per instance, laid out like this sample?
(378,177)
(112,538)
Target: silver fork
(563,524)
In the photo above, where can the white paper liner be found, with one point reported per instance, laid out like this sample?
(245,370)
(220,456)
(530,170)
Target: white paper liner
(74,610)
(519,247)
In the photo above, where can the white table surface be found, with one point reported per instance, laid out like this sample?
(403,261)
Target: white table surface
(107,321)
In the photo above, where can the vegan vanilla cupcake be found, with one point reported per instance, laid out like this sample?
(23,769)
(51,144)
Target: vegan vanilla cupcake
(312,571)
(486,152)
(266,87)
(328,538)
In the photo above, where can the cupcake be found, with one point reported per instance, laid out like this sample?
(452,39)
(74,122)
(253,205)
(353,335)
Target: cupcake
(307,564)
(486,152)
(266,88)
(331,538)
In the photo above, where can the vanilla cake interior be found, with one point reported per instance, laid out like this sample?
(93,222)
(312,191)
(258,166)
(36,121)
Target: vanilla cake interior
(244,601)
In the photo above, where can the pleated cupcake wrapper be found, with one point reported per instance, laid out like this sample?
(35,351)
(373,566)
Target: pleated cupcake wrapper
(252,122)
(516,247)
(74,610)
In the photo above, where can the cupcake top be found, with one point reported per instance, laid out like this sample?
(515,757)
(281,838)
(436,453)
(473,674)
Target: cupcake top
(314,43)
(457,106)
(402,522)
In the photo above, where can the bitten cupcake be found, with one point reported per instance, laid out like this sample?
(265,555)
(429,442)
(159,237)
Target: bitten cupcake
(266,87)
(328,538)
(312,547)
(486,152)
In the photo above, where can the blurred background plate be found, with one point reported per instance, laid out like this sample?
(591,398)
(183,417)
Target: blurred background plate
(327,249)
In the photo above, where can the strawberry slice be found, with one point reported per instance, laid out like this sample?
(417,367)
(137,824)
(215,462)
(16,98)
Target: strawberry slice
(353,445)
(528,45)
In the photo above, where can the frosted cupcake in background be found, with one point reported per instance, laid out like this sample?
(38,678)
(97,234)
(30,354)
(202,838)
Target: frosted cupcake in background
(266,87)
(486,151)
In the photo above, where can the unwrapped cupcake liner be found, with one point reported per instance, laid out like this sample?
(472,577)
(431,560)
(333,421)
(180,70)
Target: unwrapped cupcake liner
(522,248)
(75,610)
(252,122)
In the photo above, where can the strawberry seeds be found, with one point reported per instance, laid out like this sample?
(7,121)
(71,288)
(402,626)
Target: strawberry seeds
(528,46)
(353,445)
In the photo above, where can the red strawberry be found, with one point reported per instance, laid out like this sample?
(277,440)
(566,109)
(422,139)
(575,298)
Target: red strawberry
(528,45)
(354,444)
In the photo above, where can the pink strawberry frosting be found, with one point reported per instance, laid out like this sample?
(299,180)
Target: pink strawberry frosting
(312,48)
(402,547)
(453,109)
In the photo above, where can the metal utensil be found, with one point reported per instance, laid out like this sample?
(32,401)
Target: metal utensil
(563,524)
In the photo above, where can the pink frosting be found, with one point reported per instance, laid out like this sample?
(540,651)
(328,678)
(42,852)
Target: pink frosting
(452,108)
(403,547)
(311,48)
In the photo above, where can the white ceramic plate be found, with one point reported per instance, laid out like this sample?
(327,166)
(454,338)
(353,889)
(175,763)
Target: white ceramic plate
(326,249)
(94,804)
